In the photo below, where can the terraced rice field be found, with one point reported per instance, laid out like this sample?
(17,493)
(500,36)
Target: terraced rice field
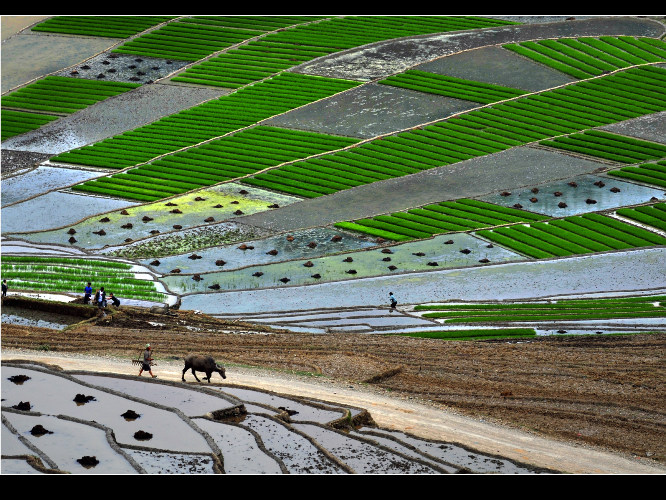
(221,150)
(290,193)
(113,426)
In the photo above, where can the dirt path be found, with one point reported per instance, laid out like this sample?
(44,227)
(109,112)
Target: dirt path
(390,412)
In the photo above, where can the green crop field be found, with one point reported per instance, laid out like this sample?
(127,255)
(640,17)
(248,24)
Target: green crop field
(18,122)
(70,275)
(586,57)
(575,235)
(185,41)
(444,217)
(223,159)
(649,173)
(206,121)
(62,95)
(609,146)
(308,40)
(650,215)
(104,26)
(449,86)
(561,310)
(488,130)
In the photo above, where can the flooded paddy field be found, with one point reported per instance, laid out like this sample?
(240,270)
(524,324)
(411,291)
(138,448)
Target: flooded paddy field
(444,251)
(622,272)
(12,246)
(79,422)
(267,283)
(577,195)
(198,209)
(62,209)
(304,244)
(42,180)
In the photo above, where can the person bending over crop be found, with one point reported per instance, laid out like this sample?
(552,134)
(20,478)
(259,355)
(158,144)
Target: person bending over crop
(114,300)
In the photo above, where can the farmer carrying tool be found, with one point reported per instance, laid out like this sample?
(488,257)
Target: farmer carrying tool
(147,361)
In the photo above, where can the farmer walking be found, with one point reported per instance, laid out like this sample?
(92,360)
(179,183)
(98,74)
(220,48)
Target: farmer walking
(87,293)
(4,288)
(147,361)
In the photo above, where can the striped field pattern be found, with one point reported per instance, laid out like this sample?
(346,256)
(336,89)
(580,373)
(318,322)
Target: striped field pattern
(438,218)
(185,41)
(650,173)
(223,159)
(609,99)
(582,234)
(449,86)
(309,40)
(561,310)
(586,56)
(104,26)
(62,274)
(651,215)
(609,146)
(206,121)
(63,95)
(18,122)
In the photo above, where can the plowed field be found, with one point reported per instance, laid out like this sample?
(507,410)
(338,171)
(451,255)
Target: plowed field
(603,391)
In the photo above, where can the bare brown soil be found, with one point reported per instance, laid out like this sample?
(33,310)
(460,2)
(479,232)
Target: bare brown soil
(605,391)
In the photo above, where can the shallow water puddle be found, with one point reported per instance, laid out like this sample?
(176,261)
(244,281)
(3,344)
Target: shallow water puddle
(590,193)
(53,394)
(70,441)
(453,454)
(363,457)
(190,401)
(42,179)
(160,462)
(28,317)
(303,412)
(240,450)
(297,453)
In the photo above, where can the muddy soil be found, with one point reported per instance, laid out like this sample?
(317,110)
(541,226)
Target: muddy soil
(600,391)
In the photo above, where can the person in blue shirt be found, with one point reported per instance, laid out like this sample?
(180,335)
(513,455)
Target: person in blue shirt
(394,301)
(87,291)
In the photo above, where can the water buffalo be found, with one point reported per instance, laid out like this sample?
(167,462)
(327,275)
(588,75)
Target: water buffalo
(204,364)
